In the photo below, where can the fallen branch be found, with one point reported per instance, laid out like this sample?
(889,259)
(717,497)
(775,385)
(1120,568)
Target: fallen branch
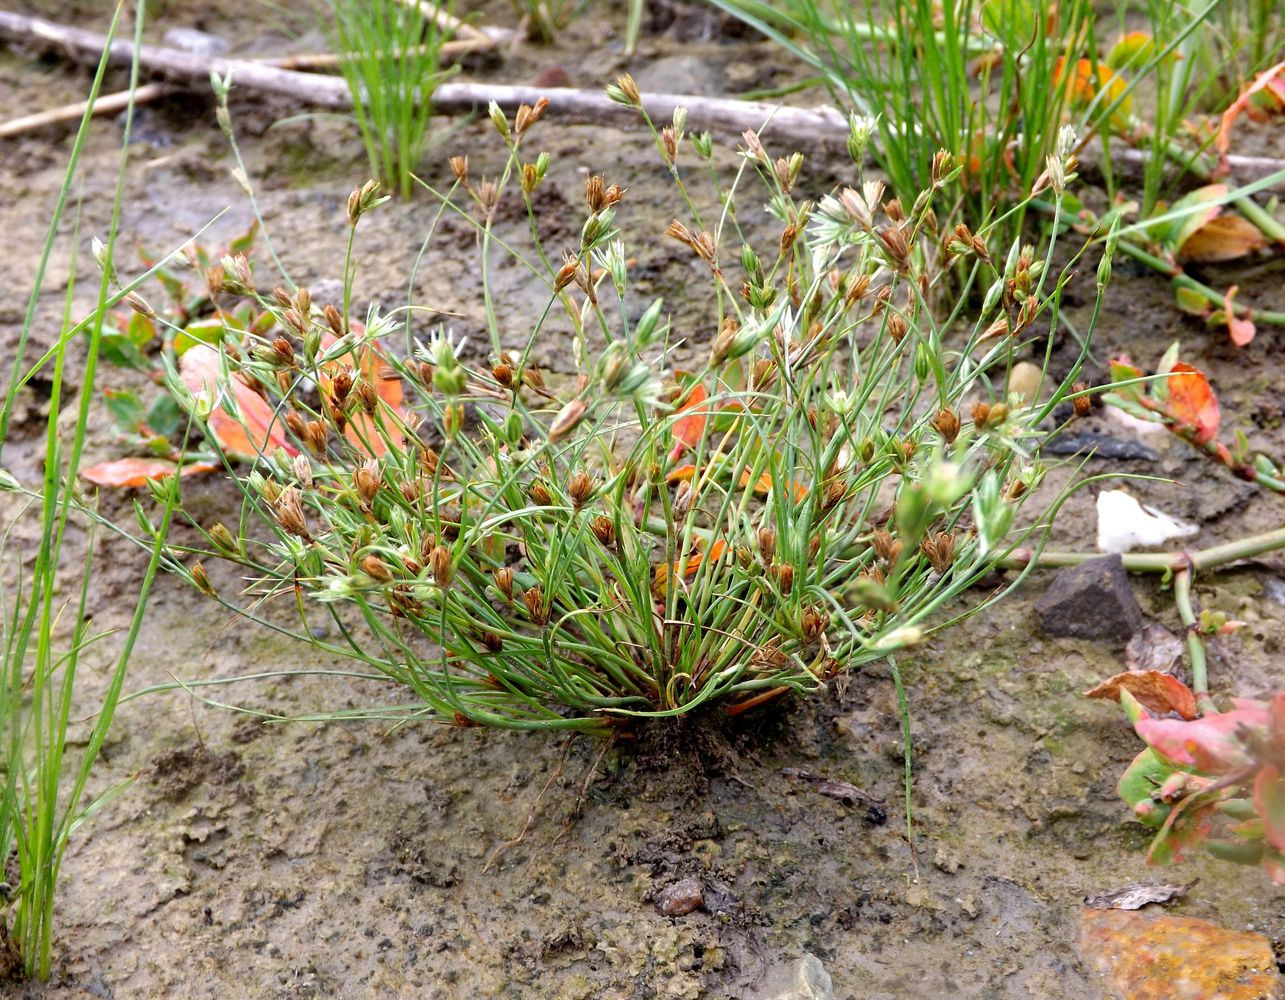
(105,105)
(1158,562)
(810,127)
(819,125)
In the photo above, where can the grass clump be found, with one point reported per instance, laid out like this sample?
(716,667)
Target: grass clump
(837,465)
(390,58)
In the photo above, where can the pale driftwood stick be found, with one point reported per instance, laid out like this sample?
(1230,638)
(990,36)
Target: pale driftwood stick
(105,105)
(795,125)
(804,128)
(446,21)
(330,60)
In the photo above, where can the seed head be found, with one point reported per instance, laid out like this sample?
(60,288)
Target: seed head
(604,529)
(625,91)
(202,581)
(540,494)
(939,549)
(767,544)
(504,582)
(1083,405)
(376,568)
(581,488)
(533,598)
(784,574)
(288,510)
(683,497)
(886,547)
(439,562)
(334,321)
(492,642)
(367,480)
(946,423)
(314,436)
(833,494)
(813,624)
(566,420)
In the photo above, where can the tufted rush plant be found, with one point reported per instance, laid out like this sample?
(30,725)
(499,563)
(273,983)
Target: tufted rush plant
(829,482)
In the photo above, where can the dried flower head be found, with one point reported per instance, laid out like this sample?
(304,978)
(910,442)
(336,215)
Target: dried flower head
(580,489)
(946,423)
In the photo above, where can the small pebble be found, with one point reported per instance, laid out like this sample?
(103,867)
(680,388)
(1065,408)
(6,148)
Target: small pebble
(681,898)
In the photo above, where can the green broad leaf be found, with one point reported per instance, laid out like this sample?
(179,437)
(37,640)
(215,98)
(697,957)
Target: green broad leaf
(165,417)
(1190,301)
(1013,23)
(1240,852)
(200,331)
(1142,777)
(117,349)
(1199,207)
(125,408)
(140,330)
(244,242)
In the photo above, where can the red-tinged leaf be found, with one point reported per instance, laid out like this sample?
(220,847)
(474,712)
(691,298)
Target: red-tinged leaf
(1187,826)
(257,431)
(1160,692)
(123,473)
(1270,81)
(1202,206)
(1226,237)
(689,428)
(1211,745)
(1241,328)
(1192,403)
(686,568)
(368,359)
(764,484)
(1269,800)
(684,473)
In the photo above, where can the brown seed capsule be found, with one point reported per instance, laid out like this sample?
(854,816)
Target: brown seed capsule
(297,425)
(604,529)
(532,377)
(784,574)
(764,374)
(683,498)
(459,167)
(503,374)
(376,569)
(939,549)
(629,89)
(342,384)
(334,321)
(595,190)
(533,598)
(411,490)
(1083,405)
(284,352)
(288,510)
(834,493)
(504,582)
(767,544)
(566,420)
(367,480)
(314,436)
(439,562)
(981,414)
(813,624)
(946,423)
(223,540)
(282,298)
(886,547)
(491,641)
(896,327)
(202,581)
(814,546)
(998,414)
(429,460)
(580,489)
(540,495)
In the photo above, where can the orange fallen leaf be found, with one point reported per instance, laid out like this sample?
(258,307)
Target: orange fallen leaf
(259,429)
(1192,402)
(764,484)
(684,473)
(370,362)
(123,473)
(690,428)
(1224,237)
(1272,82)
(686,569)
(1158,691)
(1240,328)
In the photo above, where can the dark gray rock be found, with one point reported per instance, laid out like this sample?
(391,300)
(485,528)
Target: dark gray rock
(1090,601)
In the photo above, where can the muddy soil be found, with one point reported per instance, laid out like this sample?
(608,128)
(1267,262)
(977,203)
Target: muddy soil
(254,859)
